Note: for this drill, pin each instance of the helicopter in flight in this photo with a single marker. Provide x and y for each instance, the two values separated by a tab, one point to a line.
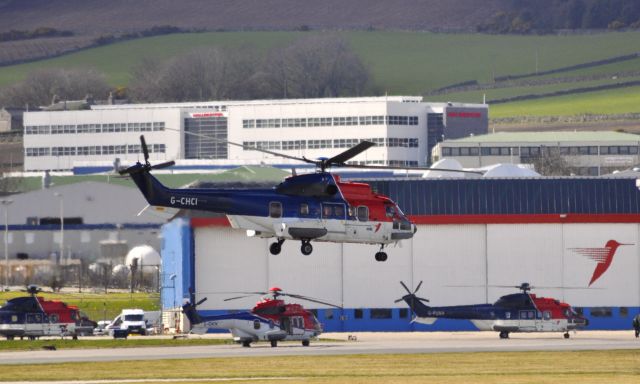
307	207
271	319
516	312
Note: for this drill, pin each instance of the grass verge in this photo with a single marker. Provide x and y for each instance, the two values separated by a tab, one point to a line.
515	367
107	342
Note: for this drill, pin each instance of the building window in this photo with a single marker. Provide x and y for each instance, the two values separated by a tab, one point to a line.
328	314
358	313
380	313
404	313
624	311
601	312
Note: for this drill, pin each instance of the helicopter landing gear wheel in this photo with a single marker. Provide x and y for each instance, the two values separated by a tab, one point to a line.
274	343
566	335
381	256
246	343
276	247
504	335
305	343
306	247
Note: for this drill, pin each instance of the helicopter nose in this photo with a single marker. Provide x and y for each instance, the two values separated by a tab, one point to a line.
415	228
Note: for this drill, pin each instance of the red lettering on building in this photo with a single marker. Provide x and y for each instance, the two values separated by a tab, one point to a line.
465	115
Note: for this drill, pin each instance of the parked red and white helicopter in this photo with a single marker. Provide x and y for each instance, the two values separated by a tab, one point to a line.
517	312
32	317
310	207
271	319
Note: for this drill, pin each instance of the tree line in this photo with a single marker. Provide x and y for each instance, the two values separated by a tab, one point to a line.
311	67
546	16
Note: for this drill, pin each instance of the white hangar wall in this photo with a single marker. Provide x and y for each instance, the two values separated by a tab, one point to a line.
459	264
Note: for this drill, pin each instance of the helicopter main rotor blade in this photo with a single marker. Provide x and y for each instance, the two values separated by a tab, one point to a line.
145	150
418	287
310	299
247	147
163	165
341	158
363	166
237	297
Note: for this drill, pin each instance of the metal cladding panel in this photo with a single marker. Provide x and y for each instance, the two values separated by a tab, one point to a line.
446	256
316	275
520	253
512	196
226	261
372	284
590	254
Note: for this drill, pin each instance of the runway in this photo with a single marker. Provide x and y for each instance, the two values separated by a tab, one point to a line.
364	343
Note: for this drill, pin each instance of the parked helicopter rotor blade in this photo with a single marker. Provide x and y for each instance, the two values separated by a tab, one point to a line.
310	299
364	166
145	150
201	301
163	165
237	297
421	298
418	287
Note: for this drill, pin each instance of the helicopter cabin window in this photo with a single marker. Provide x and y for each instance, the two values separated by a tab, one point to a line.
297	322
507	315
546	315
14	318
304	209
363	213
34	318
256	324
333	211
53	318
275	209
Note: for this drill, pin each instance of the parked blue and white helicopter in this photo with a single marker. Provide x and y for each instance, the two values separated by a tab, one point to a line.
271	319
517	312
309	207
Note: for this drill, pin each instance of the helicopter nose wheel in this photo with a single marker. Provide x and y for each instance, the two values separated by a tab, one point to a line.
306	247
381	256
274	343
276	247
566	335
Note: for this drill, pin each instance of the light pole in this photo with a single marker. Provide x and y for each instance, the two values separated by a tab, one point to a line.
6	204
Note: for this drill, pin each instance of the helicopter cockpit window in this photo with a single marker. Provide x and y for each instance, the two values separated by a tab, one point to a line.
363	213
339	210
275	209
389	210
256	324
304	209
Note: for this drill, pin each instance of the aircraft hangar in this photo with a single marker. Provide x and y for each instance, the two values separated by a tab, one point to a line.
477	239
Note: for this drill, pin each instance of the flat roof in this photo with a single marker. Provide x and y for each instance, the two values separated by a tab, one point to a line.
536	137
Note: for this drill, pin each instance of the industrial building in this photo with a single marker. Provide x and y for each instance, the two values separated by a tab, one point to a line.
586	153
404	128
473	235
100	222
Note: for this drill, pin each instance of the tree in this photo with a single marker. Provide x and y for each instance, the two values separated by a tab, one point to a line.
316	66
203	74
40	86
550	162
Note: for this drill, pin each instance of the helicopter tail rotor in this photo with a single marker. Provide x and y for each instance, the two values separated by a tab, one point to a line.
411	299
189	309
139	167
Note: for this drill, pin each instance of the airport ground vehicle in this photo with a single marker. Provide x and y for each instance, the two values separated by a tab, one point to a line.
33	316
310	207
516	312
271	319
127	322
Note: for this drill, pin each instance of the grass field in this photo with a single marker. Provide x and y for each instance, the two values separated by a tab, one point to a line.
517	367
616	101
401	62
99	306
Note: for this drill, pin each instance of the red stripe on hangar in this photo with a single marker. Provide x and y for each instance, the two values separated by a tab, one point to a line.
551	218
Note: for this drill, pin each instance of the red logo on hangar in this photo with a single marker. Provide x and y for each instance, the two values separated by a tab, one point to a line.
602	256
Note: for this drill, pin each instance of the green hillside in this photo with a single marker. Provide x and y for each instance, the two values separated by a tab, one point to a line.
401	62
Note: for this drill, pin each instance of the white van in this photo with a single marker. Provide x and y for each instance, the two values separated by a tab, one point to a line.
131	320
